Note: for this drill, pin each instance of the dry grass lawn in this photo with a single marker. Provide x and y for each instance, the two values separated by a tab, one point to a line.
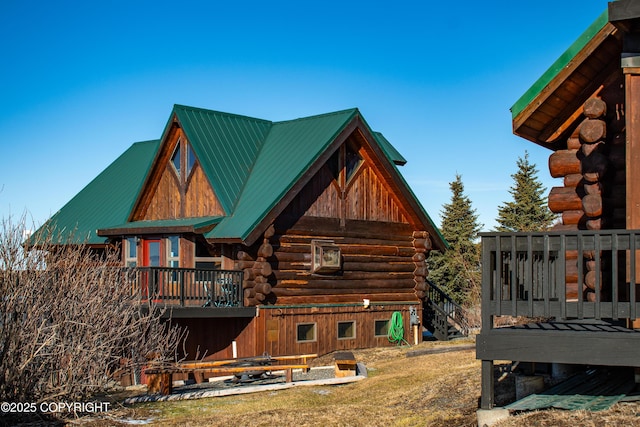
427	390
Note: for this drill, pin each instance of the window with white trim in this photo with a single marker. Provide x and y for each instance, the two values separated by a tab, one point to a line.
173	251
130	247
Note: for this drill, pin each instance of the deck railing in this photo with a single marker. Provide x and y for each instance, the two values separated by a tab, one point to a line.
186	287
562	275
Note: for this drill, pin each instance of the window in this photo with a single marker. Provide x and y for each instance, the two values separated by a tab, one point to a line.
176	158
353	160
173	251
346	330
325	256
381	328
305	332
130	252
204	259
191	159
183	160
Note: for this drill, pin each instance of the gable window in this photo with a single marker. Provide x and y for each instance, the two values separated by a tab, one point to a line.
191	159
183	159
305	332
176	158
353	160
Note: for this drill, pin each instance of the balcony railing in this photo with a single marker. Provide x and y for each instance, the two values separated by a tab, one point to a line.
186	287
561	275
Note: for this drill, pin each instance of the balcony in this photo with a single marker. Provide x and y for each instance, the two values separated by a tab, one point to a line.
189	292
537	275
567	297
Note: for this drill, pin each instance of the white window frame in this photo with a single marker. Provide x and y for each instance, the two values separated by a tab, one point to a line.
128	242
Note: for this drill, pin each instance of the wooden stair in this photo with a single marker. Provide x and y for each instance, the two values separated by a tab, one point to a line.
443	317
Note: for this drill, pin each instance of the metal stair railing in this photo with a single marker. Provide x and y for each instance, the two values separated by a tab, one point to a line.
446	313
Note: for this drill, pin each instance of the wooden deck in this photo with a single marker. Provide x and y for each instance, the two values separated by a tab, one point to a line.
578	290
188	292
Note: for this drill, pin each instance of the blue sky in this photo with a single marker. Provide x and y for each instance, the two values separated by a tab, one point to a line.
81	81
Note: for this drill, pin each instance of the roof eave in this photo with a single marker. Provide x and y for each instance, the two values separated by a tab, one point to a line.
546	129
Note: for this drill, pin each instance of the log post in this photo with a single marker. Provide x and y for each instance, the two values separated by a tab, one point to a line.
584	166
422	245
262	268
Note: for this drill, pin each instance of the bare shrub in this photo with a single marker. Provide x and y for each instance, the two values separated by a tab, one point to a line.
68	320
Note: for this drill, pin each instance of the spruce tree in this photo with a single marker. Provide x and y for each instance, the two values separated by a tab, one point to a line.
457	270
528	210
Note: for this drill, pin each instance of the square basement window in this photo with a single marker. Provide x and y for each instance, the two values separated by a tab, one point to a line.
305	332
346	330
381	328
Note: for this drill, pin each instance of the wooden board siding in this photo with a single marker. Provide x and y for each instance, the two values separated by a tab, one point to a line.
164	196
166	200
279	326
369	199
211	338
366	196
200	199
325	193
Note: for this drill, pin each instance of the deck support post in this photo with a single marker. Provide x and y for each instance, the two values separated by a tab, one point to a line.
486	397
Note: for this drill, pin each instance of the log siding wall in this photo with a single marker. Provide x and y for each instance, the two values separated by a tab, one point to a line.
377	263
593	195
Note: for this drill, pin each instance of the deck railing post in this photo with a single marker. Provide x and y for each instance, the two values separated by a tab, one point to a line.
598	276
487	273
562	273
181	287
632	275
498	284
514	282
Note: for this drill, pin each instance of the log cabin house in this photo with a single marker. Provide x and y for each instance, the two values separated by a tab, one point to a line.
578	283
288	237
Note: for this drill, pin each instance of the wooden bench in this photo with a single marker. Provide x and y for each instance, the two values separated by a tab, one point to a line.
160	378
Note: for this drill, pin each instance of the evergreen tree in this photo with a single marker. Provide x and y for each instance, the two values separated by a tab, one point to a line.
528	210
457	270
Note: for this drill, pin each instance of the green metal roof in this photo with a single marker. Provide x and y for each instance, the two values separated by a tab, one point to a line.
184	224
389	149
564	60
251	164
104	202
226	145
289	150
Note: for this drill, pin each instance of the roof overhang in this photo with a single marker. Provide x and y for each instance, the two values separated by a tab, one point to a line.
387	158
165	226
552	108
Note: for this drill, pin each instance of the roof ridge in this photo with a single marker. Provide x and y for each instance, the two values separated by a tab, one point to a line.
316	116
222	113
149	141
